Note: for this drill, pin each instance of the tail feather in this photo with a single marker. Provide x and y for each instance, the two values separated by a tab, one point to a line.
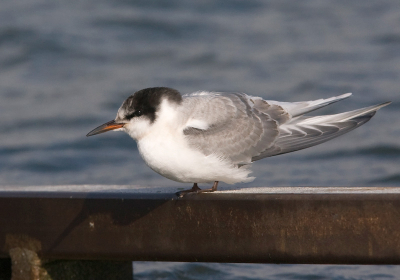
303	132
296	109
338	117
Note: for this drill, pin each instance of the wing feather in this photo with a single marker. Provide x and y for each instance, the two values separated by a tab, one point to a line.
244	129
237	129
304	132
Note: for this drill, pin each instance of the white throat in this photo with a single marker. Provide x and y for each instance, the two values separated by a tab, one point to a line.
167	119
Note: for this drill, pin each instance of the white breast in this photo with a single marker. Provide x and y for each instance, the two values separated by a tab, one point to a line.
165	150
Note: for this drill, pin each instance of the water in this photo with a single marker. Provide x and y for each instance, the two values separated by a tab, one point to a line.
201	271
65	68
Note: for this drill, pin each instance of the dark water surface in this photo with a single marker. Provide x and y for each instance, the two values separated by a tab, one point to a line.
66	66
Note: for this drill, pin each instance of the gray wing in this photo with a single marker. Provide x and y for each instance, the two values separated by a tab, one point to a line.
245	129
232	125
303	132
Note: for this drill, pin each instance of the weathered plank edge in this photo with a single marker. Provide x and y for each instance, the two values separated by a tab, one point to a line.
327	228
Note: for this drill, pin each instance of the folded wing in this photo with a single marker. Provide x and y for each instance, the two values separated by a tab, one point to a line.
302	132
243	129
228	125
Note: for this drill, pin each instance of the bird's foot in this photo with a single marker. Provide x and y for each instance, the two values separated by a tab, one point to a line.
196	189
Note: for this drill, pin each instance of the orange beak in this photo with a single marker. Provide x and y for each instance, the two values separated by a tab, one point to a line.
111	125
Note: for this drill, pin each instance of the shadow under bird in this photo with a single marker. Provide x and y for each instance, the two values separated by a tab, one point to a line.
208	137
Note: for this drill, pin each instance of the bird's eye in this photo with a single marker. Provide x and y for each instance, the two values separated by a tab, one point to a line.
137	113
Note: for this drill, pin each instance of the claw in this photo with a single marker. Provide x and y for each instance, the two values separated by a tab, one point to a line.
196	189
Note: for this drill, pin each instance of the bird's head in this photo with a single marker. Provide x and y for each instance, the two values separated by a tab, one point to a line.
139	111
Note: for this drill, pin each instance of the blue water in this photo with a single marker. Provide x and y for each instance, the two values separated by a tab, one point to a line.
65	68
200	271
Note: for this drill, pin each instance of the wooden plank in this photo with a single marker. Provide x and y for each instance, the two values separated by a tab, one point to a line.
266	225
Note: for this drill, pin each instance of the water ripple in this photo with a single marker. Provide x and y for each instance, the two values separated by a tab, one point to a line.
381	151
393	179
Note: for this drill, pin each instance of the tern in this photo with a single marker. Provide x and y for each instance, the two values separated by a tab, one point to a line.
206	137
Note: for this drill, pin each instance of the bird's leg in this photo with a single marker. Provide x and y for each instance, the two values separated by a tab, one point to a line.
213	188
196	189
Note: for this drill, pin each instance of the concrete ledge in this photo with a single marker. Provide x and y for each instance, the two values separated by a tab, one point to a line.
266	225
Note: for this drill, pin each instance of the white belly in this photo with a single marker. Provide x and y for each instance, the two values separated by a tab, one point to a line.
170	156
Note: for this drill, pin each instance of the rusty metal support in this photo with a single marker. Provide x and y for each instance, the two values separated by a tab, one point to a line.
346	226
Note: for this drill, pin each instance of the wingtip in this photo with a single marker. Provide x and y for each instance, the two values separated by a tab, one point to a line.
373	108
346	95
383	104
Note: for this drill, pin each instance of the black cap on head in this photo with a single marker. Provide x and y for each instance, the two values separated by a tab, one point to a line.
146	101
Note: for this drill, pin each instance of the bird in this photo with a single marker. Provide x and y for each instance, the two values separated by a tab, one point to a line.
206	137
